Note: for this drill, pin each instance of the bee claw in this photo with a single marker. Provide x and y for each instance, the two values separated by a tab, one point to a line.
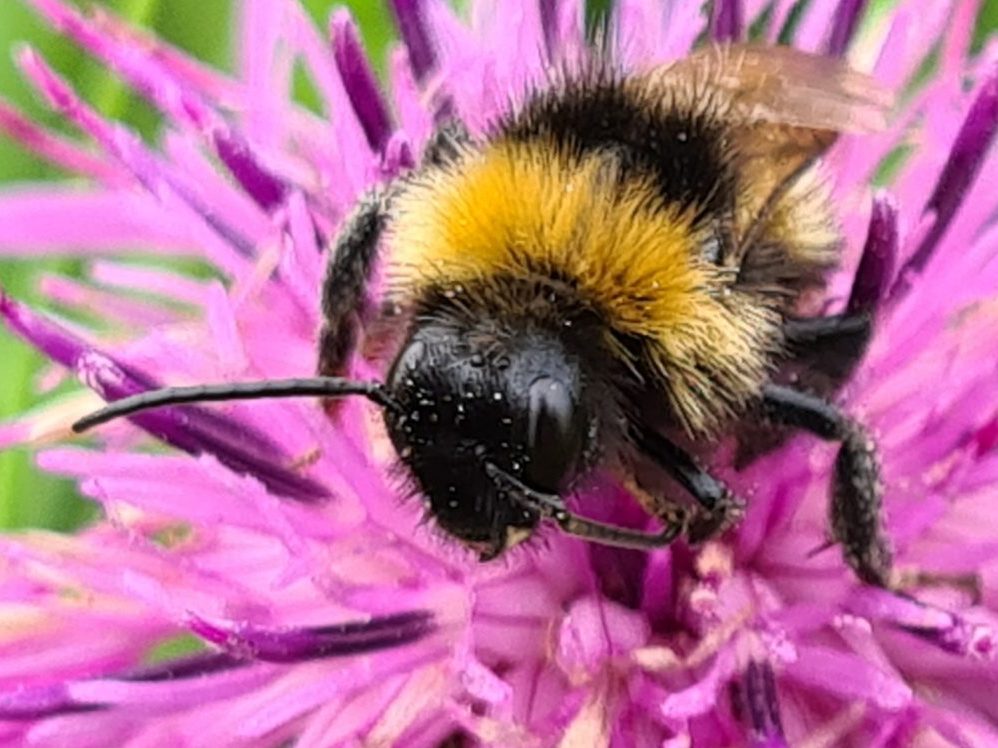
703	525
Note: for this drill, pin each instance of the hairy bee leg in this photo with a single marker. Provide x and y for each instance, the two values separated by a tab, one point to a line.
856	508
831	345
811	333
446	144
721	508
344	291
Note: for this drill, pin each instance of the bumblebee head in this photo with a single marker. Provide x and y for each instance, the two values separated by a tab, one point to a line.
466	400
473	398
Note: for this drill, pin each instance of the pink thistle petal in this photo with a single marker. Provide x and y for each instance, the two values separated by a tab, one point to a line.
70	293
139	69
550	10
956	46
410	15
294	645
876	267
266	65
54	148
847	17
414	116
594	631
702	697
754	700
225	498
966	158
193	430
352	159
91	221
159	282
267	190
127	148
946	630
813	26
851	677
358	80
157	83
39	702
174	686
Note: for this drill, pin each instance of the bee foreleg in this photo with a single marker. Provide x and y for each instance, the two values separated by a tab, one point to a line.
552	506
721	508
676	523
855	513
344	291
446	144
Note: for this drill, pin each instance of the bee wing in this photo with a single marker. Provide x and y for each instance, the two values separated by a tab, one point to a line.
780	86
786	108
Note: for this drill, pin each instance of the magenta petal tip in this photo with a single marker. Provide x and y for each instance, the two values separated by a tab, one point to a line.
410	15
754	701
32	703
268	191
844	25
876	266
966	158
359	80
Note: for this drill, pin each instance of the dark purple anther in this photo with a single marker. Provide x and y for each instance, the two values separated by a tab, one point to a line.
410	16
359	81
267	190
966	157
549	24
726	20
755	702
191	429
876	268
300	644
37	702
844	25
961	638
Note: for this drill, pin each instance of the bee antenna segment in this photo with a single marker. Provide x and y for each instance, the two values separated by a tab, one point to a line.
262	390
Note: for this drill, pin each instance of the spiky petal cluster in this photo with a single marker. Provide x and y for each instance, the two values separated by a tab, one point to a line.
274	545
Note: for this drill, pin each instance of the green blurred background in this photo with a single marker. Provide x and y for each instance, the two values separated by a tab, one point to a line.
29	498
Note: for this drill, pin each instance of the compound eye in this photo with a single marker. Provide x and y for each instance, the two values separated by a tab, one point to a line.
554	434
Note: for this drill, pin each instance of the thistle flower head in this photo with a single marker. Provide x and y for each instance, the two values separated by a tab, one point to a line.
271	544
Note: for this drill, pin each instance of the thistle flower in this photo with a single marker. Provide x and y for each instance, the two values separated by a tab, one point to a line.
272	546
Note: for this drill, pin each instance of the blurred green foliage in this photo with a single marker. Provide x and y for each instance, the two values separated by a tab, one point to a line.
27	497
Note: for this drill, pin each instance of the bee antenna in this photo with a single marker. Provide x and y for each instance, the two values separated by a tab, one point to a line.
267	389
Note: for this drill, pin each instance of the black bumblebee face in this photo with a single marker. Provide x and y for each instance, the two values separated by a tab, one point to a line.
467	401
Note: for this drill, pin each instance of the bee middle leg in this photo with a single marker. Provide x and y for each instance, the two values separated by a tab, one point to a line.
855	512
821	355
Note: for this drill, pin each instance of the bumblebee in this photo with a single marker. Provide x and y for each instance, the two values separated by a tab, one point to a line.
612	276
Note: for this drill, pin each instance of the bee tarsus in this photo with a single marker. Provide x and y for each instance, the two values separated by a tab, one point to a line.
855	510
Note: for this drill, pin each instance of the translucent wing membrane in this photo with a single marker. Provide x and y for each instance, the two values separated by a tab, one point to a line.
780	85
